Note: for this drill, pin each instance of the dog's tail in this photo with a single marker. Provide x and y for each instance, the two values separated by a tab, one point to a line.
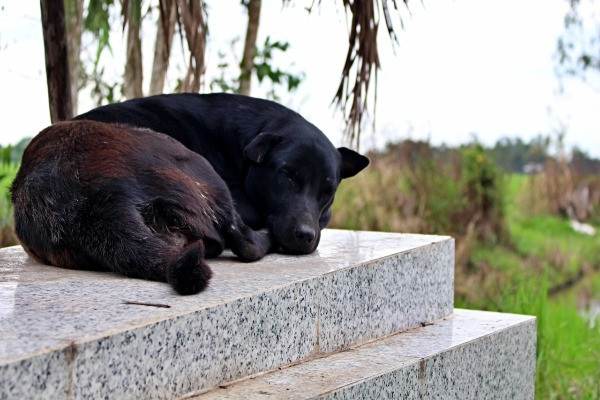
161	249
188	273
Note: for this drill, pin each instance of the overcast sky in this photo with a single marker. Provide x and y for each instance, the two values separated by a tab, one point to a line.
462	67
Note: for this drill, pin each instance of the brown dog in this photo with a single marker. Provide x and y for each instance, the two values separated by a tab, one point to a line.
91	195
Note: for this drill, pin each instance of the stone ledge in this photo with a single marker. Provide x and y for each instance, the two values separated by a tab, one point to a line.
470	355
75	334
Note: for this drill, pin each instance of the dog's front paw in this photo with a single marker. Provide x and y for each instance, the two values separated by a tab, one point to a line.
264	241
257	245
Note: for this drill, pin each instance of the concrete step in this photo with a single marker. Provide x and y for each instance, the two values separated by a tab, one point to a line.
470	355
68	334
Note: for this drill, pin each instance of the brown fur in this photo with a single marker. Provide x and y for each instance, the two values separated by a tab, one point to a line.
102	196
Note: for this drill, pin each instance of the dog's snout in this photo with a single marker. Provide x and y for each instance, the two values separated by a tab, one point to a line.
305	234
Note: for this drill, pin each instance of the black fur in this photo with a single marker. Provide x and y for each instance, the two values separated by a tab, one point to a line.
100	196
281	170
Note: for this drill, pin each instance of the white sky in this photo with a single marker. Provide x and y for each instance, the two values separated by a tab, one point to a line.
463	67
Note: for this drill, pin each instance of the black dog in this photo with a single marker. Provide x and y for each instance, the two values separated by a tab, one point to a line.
282	171
100	196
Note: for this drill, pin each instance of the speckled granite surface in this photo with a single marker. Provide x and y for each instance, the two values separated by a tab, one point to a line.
470	355
71	334
354	301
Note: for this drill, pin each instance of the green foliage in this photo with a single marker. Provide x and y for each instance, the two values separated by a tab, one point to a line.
578	48
415	187
97	22
8	170
484	186
225	81
6	155
11	155
18	149
264	68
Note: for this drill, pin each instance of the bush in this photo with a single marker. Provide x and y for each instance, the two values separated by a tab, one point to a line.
8	170
413	187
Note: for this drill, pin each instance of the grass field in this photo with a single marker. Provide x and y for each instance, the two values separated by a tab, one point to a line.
553	253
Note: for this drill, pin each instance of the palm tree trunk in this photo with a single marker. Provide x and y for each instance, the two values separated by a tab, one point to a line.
74	25
247	63
162	46
194	25
133	67
57	62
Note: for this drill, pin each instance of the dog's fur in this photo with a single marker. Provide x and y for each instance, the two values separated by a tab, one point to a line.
281	170
129	200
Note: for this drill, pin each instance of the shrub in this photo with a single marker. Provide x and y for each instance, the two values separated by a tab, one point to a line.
413	187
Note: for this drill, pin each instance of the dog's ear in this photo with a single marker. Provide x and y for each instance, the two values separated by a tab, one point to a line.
258	147
352	162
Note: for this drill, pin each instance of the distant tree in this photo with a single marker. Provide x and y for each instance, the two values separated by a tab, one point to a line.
18	149
512	155
583	164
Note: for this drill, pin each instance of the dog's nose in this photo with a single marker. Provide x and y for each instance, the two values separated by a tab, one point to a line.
305	233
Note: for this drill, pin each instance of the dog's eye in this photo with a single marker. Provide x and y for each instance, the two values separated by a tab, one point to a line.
328	189
290	176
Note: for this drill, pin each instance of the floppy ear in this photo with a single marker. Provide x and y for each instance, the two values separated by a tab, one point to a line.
352	162
258	147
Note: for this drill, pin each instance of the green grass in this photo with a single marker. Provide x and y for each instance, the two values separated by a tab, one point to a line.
546	252
549	242
568	359
568	350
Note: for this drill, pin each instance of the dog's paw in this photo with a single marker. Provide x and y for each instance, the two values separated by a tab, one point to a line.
256	245
264	241
189	274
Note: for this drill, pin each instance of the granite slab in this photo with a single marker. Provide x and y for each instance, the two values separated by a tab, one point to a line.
82	334
469	355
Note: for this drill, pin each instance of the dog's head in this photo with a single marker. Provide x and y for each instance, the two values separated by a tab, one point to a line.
292	179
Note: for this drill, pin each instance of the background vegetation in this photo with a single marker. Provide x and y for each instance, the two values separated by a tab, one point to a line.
516	249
